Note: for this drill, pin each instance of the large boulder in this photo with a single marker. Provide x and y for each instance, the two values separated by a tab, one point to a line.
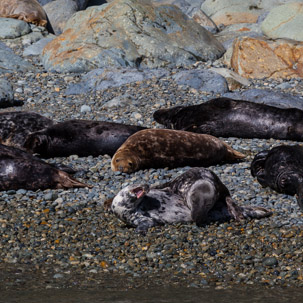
285	21
265	58
13	28
130	33
238	11
59	12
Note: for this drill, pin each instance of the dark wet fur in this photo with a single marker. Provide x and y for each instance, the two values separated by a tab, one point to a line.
281	169
80	137
16	126
19	169
224	117
196	196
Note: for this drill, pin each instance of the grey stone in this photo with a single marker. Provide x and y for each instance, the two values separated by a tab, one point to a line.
85	109
203	80
13	28
99	79
268	97
10	62
140	35
285	21
118	101
270	261
59	12
7	94
37	48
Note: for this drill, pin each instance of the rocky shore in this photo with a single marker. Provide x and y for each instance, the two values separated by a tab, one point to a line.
66	239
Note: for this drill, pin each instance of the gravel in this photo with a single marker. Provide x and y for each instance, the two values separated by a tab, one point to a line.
65	238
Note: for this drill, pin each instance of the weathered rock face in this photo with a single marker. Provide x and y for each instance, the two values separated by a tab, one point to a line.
130	33
238	11
285	21
260	58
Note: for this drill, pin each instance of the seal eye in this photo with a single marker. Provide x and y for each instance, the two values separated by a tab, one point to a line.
130	164
117	160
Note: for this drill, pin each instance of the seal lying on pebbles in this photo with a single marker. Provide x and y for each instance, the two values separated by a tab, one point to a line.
197	196
27	10
224	117
19	169
79	137
156	148
16	126
281	168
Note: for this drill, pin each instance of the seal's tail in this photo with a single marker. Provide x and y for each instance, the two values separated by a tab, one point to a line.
233	154
66	181
244	212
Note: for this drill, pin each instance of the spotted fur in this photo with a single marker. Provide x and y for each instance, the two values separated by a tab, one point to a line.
156	148
197	196
16	126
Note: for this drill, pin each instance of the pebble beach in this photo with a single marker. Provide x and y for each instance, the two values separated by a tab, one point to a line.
66	239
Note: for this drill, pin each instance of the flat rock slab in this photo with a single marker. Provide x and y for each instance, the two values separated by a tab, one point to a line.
268	97
100	79
130	33
265	58
285	21
13	28
204	80
10	62
36	48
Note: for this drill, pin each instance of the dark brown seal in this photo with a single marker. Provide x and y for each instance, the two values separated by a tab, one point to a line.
16	126
80	137
281	169
155	148
197	196
224	117
19	169
27	10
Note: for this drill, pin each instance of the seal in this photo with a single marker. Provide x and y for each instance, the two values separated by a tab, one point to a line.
197	195
224	117
156	148
281	169
19	169
16	126
27	10
79	137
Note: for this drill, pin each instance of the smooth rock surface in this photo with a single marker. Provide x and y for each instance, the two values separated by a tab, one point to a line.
265	58
59	12
100	79
285	21
203	80
130	33
6	93
13	28
237	11
268	97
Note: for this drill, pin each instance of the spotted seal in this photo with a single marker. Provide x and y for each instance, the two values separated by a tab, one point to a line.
224	117
27	10
156	148
79	137
16	126
19	169
197	195
281	169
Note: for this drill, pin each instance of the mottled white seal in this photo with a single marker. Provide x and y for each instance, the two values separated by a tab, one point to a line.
197	196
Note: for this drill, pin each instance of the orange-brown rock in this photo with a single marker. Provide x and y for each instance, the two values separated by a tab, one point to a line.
264	58
26	10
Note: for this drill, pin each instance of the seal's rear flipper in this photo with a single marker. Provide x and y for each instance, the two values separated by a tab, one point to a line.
244	212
